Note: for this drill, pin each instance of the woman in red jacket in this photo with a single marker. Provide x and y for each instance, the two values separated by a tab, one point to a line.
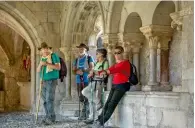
121	73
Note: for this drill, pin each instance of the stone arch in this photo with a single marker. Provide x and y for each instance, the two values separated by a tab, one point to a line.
133	23
72	25
16	21
115	16
162	12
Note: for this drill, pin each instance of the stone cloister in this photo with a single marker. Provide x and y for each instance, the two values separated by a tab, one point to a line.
157	36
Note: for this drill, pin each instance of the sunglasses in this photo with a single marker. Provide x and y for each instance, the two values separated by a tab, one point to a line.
117	53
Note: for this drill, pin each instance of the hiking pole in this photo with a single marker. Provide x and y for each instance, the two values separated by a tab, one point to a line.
94	111
82	84
103	98
40	89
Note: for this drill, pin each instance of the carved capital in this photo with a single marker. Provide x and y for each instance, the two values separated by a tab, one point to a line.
153	33
109	47
177	21
134	37
110	38
136	47
153	42
177	17
126	46
120	38
156	30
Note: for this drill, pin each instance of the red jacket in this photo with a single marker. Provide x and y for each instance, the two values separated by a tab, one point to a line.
121	72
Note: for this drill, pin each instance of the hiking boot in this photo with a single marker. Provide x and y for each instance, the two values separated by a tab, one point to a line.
48	122
43	120
97	125
82	118
89	121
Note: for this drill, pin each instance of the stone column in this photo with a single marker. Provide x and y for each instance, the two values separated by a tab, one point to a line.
164	64
135	41
66	52
153	34
110	41
153	41
135	52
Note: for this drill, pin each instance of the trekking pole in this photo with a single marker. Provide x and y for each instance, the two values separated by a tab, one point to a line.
94	111
82	84
40	89
103	99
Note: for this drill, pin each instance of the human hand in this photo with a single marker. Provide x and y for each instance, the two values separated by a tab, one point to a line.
90	75
42	63
103	73
79	72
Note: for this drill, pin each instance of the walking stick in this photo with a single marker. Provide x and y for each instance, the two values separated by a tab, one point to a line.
40	88
82	83
103	100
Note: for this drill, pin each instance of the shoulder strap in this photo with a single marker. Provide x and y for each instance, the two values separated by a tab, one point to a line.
52	57
103	63
102	66
88	59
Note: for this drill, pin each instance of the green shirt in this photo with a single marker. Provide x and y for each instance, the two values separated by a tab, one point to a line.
99	66
53	75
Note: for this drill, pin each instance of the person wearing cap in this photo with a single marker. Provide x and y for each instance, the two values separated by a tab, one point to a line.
96	104
82	65
48	68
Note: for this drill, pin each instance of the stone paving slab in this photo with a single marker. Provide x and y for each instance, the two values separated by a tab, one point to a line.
27	120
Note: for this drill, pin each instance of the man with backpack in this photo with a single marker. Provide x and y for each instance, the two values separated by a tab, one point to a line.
90	91
48	68
81	67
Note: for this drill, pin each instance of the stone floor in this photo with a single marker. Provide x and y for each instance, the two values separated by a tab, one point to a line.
26	120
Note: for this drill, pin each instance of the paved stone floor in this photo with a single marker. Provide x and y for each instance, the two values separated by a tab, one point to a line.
26	120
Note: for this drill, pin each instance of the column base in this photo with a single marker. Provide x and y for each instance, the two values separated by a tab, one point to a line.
165	87
148	88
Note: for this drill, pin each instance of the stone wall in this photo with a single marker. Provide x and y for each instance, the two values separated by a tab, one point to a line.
182	54
154	110
45	17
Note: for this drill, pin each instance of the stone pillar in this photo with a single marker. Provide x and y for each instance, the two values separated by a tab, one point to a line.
164	64
66	52
110	41
135	41
153	41
135	52
153	34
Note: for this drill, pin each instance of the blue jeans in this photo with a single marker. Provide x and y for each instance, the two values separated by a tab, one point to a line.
48	96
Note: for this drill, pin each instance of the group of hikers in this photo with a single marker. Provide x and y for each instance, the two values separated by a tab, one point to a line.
91	80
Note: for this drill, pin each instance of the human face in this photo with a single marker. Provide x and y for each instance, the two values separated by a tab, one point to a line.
45	51
82	51
99	56
118	54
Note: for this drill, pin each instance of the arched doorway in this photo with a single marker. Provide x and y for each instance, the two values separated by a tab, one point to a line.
28	33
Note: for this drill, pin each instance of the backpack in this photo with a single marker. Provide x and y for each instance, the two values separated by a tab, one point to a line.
102	66
133	75
63	69
88	59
